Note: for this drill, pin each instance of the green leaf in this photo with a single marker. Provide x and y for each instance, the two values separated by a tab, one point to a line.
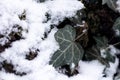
111	4
93	53
70	51
102	42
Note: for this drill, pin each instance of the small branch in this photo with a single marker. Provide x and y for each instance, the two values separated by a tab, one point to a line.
111	38
113	45
116	44
80	35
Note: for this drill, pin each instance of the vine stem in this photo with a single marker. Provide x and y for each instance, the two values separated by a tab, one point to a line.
116	44
80	35
113	45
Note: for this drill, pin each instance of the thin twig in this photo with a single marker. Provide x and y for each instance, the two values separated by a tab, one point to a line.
116	44
80	35
113	45
111	38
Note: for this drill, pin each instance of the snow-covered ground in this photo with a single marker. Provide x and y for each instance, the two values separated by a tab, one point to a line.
34	27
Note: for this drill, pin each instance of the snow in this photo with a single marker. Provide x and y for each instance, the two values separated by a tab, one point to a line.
113	67
113	50
91	70
34	27
117	32
102	51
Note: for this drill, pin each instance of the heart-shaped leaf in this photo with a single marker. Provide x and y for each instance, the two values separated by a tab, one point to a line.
70	51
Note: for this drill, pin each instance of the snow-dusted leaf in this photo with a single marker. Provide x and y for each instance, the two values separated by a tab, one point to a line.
70	51
102	42
93	53
111	4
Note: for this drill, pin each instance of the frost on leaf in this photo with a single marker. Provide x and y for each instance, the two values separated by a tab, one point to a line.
70	51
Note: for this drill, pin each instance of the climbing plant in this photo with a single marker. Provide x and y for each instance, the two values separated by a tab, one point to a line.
88	36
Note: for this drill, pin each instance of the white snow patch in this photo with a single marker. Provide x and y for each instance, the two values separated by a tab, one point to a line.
113	67
91	70
111	70
102	51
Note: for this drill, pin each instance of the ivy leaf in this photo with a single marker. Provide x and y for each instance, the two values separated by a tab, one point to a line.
93	53
102	42
111	4
70	51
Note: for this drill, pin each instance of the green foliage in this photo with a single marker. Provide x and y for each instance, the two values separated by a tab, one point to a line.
102	44
70	51
89	40
95	52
